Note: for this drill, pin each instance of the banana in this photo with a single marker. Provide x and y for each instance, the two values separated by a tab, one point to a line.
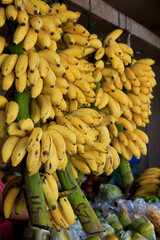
65	132
12	129
50	78
120	96
33	76
43	7
19	151
21	83
21	65
147	181
114	34
142	145
33	157
33	61
9	200
34	138
130	135
71	149
37	88
30	39
45	105
48	194
74	171
36	23
26	124
81	166
8	147
8	64
113	130
51	165
116	145
125	123
11	12
52	183
59	218
20	4
7	81
67	210
22	17
116	158
59	143
2	16
122	138
55	95
34	111
126	48
43	67
44	39
99	53
103	101
134	148
11	112
20	204
20	33
46	146
32	7
87	118
113	44
68	58
142	135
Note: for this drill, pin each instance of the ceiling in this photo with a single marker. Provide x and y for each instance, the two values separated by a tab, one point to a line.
145	12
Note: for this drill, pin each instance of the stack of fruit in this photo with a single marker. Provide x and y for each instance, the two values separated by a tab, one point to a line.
148	183
65	87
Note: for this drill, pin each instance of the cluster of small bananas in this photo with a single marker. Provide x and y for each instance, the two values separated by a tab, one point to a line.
148	183
59	209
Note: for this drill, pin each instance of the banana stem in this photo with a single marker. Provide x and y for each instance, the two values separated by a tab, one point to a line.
79	202
126	173
32	185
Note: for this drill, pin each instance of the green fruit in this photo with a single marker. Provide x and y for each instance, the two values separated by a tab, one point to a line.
125	221
110	231
125	236
111	218
146	227
137	223
154	200
93	238
138	236
146	198
117	226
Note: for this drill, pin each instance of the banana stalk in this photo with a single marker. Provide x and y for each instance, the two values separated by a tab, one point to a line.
126	173
32	185
79	202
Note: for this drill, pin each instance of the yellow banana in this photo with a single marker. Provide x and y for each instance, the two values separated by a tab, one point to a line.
48	194
11	12
114	34
2	16
19	151
44	39
45	105
20	33
123	139
43	67
8	64
36	23
142	135
51	165
26	124
2	44
8	148
67	210
21	65
8	201
31	8
22	17
81	166
12	129
125	123
11	112
3	102
52	183
34	111
37	88
46	146
30	39
7	81
33	61
3	125
34	138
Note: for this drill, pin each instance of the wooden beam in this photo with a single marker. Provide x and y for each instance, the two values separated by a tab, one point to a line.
113	16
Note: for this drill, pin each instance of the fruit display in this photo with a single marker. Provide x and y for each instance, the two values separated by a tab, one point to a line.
148	184
86	98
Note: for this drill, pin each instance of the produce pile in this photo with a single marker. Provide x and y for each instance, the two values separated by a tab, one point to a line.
87	99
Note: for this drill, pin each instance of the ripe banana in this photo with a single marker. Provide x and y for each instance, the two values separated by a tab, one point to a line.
11	112
8	147
67	210
34	138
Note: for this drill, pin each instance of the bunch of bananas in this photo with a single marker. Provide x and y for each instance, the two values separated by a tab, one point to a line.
59	209
76	104
148	183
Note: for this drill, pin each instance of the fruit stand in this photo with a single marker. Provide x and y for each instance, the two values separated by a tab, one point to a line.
75	102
